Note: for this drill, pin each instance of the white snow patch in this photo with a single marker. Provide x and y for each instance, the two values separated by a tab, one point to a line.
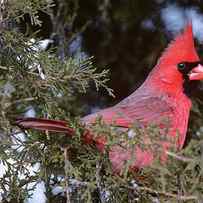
43	44
58	190
38	195
105	195
40	45
30	112
197	22
2	169
131	134
17	140
134	184
7	89
175	18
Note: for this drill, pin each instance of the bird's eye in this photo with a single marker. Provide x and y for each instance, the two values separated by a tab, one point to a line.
181	66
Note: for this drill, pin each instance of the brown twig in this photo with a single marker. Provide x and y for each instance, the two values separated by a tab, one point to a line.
167	194
178	157
98	180
66	168
20	101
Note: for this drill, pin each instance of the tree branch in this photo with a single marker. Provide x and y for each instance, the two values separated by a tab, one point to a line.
167	194
178	157
66	168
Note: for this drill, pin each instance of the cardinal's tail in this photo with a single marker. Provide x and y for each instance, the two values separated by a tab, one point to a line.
45	124
60	127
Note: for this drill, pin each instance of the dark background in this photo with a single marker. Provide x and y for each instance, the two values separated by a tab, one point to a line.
126	36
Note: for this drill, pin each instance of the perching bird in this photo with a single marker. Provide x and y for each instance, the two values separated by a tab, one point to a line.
164	94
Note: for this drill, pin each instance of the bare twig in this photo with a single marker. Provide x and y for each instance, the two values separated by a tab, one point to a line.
98	181
4	68
3	4
20	101
178	157
66	167
167	194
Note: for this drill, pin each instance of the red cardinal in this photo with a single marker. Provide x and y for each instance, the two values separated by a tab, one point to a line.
164	94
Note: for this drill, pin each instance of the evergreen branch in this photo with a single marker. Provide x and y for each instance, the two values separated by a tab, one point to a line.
55	95
20	101
166	194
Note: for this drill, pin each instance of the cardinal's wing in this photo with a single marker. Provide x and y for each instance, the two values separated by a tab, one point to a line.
148	109
144	109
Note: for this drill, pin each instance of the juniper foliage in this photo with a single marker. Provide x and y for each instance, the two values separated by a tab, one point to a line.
41	81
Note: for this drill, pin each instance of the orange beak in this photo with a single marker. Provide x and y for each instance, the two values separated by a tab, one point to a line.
196	73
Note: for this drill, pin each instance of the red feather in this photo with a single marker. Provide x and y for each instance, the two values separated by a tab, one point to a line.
45	124
161	96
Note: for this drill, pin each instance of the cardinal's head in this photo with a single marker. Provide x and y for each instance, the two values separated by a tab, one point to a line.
178	65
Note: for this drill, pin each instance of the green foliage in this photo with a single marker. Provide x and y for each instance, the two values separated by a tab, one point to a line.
34	78
38	79
15	9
